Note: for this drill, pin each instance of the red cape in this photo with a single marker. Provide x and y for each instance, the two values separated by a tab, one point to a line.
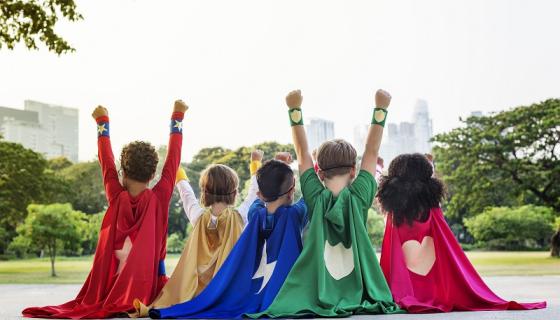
106	293
444	279
132	239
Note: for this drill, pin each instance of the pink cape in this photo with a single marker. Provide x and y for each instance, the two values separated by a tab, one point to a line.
449	283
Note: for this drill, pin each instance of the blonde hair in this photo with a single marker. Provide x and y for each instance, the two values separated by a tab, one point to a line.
336	157
218	183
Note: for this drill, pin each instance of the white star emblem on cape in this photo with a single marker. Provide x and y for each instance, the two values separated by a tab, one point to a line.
122	254
265	269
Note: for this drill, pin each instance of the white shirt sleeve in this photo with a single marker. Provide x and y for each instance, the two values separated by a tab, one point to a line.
192	207
243	208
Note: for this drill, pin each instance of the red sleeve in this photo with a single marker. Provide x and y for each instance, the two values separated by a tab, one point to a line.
164	188
107	160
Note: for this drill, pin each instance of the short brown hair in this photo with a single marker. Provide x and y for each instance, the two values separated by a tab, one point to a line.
139	161
336	157
218	183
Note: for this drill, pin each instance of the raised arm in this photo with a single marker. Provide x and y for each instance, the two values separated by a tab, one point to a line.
105	153
256	162
191	205
373	142
293	100
164	188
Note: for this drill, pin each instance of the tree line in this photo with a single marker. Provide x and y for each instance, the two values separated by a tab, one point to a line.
501	170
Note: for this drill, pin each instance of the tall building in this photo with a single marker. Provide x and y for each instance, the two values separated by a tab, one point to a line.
409	137
48	129
319	131
360	136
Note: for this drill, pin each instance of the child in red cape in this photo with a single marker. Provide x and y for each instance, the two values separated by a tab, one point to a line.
129	259
423	263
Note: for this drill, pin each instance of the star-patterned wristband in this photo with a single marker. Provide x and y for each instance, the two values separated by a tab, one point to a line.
296	118
177	122
379	116
102	126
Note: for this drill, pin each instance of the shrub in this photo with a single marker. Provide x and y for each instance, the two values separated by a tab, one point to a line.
521	228
375	228
175	243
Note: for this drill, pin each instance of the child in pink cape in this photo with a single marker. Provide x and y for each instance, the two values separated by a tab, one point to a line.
423	263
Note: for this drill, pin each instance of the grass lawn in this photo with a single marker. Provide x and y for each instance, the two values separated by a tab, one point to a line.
75	270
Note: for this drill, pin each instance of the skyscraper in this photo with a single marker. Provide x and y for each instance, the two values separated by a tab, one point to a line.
360	136
409	137
319	131
48	129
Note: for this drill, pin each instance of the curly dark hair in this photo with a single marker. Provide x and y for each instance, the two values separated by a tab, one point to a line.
275	178
139	160
409	191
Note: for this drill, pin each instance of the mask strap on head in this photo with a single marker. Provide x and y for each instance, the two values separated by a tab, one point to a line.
336	167
220	194
270	199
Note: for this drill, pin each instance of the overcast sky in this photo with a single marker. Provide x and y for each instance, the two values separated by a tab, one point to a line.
234	61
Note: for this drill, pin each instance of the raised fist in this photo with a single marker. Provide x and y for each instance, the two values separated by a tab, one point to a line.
257	155
294	99
382	99
100	111
285	157
180	106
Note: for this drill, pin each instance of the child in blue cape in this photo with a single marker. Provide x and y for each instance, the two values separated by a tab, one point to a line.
263	256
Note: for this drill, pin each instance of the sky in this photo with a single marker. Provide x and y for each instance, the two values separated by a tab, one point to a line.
233	62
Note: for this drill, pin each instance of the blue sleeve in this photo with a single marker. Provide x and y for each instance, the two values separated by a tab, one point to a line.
301	210
257	204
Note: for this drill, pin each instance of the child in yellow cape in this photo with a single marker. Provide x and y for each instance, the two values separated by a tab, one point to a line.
216	228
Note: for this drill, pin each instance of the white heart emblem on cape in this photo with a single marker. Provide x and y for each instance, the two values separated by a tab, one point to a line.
419	257
339	260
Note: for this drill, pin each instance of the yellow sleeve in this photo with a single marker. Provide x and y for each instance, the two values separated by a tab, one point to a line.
181	175
254	166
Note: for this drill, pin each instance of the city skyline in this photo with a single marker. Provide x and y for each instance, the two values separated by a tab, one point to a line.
51	130
469	55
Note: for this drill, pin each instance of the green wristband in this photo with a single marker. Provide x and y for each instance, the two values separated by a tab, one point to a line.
296	118
379	116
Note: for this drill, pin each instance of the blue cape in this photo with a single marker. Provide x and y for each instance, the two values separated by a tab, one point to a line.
255	269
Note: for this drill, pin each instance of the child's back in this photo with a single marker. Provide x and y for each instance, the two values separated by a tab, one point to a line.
420	252
257	266
337	273
130	253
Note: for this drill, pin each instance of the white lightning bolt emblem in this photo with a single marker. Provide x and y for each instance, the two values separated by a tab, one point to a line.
265	269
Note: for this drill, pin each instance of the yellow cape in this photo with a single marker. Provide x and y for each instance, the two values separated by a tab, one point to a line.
205	251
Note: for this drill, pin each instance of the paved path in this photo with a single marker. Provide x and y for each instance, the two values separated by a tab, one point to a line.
13	298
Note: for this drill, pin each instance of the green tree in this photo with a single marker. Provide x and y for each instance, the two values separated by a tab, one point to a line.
34	21
90	232
59	163
375	227
22	181
86	191
504	228
53	228
508	158
175	243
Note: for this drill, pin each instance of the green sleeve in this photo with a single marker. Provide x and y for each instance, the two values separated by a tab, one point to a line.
311	187
364	188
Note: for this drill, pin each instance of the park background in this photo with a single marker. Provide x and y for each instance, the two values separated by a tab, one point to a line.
233	62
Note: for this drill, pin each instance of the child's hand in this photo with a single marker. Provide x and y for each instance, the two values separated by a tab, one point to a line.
180	106
382	99
257	155
100	111
294	99
285	157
